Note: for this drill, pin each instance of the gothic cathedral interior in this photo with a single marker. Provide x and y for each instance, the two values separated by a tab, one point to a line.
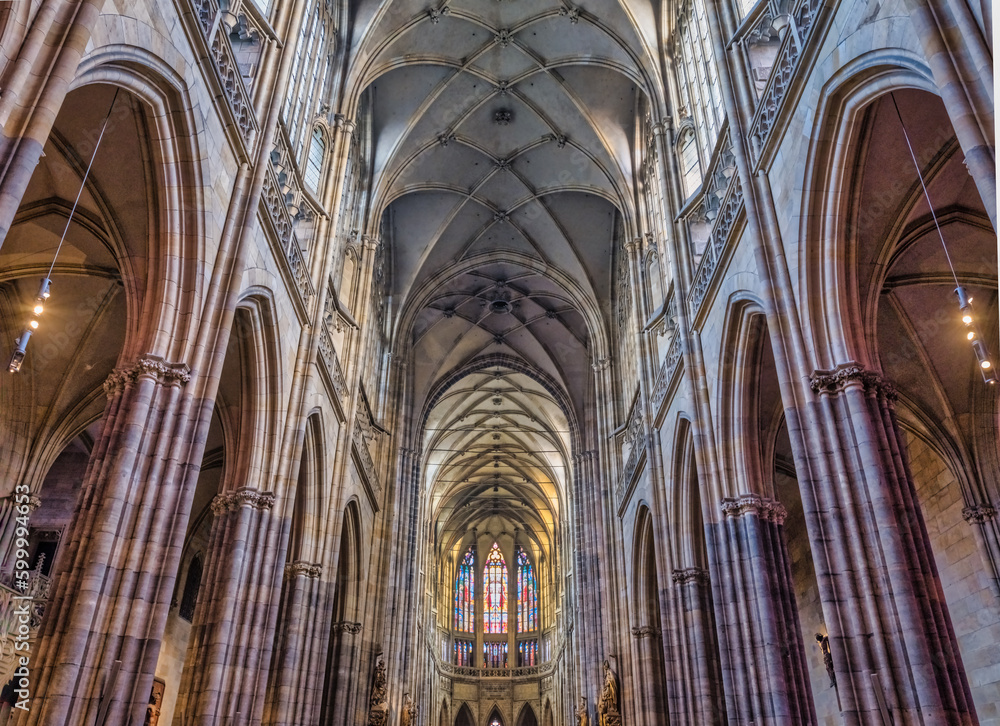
499	363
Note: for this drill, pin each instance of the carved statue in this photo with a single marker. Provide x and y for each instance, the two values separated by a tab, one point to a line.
378	705
582	719
607	708
409	715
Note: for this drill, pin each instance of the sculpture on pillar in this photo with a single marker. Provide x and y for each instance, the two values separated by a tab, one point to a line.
582	719
607	707
378	704
409	715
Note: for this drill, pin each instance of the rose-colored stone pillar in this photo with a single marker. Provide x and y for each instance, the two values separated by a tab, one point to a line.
891	638
701	701
301	651
112	594
763	657
228	638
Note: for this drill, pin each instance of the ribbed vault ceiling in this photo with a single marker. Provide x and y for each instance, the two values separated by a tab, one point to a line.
504	135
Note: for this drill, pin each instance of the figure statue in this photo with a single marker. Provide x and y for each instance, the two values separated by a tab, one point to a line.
378	705
409	715
582	719
607	708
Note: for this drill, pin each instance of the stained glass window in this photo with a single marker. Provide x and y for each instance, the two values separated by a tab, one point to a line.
527	594
494	655
465	594
463	653
527	653
495	592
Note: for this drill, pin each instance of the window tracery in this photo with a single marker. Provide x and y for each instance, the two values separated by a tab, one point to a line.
314	163
495	593
465	595
310	72
494	655
527	594
463	653
697	74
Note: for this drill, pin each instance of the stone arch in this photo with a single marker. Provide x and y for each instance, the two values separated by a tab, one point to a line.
495	713
173	286
443	718
308	508
464	717
547	718
343	642
895	318
648	619
834	320
527	716
739	397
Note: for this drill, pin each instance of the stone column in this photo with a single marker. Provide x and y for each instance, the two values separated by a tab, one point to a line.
112	594
763	658
293	689
343	664
223	655
650	675
889	614
699	671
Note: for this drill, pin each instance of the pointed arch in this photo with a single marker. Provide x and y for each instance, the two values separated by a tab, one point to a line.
496	717
527	593
465	593
495	592
527	716
464	716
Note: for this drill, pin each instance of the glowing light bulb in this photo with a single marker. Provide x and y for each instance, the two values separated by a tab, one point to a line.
967	319
986	364
33	324
971	335
38	309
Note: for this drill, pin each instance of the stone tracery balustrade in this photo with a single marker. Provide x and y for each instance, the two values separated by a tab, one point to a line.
281	221
370	474
714	250
785	65
671	364
233	85
225	63
328	354
477	672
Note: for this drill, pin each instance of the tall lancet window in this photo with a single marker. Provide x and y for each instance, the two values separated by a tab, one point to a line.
465	594
495	592
527	594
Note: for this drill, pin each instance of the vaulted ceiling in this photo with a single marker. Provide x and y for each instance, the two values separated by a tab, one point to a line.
504	137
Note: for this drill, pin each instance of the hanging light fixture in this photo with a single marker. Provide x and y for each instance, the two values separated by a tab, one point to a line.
21	344
964	301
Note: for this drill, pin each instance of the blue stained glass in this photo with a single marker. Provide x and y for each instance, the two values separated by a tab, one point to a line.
465	594
527	594
495	592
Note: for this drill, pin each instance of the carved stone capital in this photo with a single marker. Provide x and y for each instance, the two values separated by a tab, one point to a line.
346	626
33	502
979	513
837	380
645	631
601	364
688	575
247	497
305	569
633	245
767	509
152	367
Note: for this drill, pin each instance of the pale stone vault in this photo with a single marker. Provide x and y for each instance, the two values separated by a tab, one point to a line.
498	363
